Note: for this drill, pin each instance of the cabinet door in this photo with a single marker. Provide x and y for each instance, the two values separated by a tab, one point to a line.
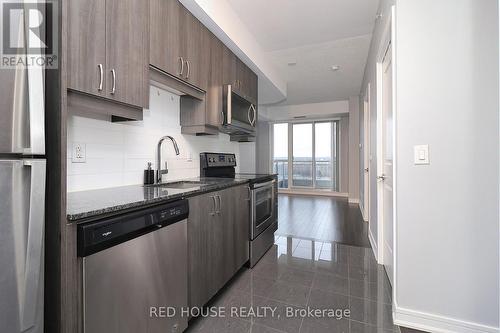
227	209
201	210
195	41
165	35
229	63
213	97
253	89
127	49
87	46
218	275
241	198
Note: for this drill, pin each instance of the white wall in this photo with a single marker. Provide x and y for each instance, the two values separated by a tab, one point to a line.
312	110
263	147
117	153
344	155
447	259
220	18
248	159
354	149
370	77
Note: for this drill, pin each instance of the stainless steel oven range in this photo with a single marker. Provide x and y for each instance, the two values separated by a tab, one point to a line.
263	190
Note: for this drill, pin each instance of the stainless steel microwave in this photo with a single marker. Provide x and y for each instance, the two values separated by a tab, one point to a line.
240	114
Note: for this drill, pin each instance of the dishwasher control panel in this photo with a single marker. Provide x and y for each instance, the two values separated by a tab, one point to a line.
97	236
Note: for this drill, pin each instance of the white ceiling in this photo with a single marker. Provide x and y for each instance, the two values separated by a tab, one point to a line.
316	34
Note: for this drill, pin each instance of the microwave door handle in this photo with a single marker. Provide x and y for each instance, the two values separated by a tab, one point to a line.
229	116
254	113
248	115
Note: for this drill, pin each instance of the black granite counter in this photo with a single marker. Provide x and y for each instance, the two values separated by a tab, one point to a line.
86	205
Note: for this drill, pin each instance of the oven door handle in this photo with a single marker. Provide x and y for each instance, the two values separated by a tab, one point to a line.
268	184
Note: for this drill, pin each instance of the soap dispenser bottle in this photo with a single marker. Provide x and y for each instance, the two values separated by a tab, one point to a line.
149	175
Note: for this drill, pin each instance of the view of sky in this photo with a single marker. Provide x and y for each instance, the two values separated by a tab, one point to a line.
302	141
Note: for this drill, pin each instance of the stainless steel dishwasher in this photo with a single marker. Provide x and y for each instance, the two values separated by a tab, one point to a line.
133	265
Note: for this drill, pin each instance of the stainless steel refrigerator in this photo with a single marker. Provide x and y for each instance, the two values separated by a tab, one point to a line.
22	199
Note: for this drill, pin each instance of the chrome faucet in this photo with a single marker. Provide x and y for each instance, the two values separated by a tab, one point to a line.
159	171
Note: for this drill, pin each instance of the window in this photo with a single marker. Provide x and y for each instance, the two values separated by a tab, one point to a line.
312	161
302	155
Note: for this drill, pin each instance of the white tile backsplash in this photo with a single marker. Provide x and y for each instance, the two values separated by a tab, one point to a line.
117	153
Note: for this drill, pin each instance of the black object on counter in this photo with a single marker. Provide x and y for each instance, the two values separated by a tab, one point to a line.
149	175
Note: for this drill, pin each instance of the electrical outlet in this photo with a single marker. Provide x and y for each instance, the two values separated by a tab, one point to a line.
79	153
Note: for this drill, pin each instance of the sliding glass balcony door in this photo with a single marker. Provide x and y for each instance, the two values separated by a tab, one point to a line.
308	152
302	165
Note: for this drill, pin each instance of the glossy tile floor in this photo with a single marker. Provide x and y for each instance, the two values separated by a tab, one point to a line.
298	274
330	219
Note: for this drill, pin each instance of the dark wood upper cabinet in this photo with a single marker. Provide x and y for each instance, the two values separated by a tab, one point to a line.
108	49
179	43
126	50
165	36
87	46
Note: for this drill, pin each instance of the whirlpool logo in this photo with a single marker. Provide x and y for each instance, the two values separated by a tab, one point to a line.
29	33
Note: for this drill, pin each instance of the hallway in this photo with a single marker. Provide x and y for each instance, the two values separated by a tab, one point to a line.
330	219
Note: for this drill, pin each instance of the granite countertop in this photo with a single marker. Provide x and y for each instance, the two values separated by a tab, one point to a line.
95	203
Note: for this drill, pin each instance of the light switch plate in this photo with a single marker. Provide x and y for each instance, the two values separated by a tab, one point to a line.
78	154
421	154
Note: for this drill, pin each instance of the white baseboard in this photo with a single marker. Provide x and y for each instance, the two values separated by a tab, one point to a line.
365	218
353	201
439	324
373	243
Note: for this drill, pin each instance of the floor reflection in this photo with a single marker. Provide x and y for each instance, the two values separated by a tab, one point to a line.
307	274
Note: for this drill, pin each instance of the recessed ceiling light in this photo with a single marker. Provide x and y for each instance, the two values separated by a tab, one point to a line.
292	63
335	68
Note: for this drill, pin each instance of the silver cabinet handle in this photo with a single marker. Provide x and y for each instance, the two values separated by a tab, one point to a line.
220	204
113	74
35	243
101	77
181	60
214	211
188	69
222	117
381	177
249	193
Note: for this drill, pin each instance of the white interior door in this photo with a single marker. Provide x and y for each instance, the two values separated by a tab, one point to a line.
366	157
387	169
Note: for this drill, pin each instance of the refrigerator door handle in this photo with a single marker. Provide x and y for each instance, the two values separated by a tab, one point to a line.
36	106
35	244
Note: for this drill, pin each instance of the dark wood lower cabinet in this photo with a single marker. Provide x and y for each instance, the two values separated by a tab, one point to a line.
218	236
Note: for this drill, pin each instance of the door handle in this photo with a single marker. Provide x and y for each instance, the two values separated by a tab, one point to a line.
212	213
101	77
366	169
220	204
188	69
113	75
181	60
36	110
381	177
